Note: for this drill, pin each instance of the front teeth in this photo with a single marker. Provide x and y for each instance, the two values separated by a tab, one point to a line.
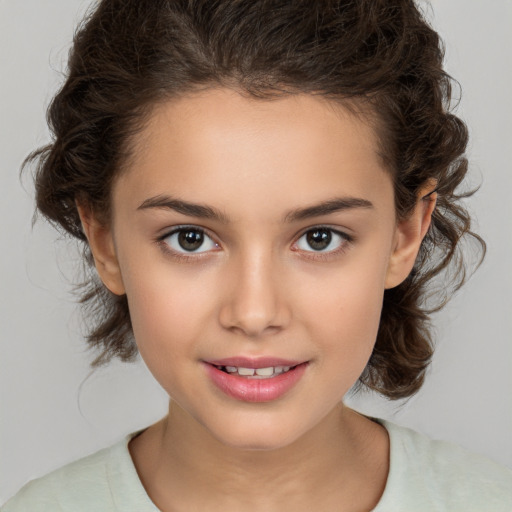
270	371
264	372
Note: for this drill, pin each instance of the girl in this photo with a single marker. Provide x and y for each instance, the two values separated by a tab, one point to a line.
266	190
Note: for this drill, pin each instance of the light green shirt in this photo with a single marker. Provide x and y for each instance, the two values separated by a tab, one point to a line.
424	476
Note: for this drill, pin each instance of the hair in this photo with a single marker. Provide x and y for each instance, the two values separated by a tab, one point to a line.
380	55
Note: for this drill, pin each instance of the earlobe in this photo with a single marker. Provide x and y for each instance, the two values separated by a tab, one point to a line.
408	237
103	250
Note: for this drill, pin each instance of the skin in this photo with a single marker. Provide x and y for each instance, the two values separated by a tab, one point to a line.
257	289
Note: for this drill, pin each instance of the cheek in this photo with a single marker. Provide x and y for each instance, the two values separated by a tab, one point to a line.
345	310
166	316
166	309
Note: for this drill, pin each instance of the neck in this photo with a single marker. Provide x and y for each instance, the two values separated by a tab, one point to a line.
179	461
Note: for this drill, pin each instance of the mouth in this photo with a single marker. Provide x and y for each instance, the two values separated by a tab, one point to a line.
255	380
268	372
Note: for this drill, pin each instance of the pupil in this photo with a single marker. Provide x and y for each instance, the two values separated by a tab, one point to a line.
319	239
190	240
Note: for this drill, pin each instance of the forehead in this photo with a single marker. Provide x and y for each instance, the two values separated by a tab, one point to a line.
219	145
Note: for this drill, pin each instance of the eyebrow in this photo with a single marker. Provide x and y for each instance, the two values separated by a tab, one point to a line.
334	205
208	212
184	207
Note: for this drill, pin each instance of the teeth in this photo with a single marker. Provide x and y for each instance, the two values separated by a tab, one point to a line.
270	371
265	372
245	371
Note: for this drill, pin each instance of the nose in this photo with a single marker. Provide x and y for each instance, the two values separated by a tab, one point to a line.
255	302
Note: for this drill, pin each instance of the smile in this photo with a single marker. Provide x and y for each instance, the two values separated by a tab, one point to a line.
260	380
255	373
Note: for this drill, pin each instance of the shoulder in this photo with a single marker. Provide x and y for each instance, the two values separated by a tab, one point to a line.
104	481
67	486
443	476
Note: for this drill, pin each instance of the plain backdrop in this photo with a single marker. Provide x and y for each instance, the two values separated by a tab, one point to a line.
54	411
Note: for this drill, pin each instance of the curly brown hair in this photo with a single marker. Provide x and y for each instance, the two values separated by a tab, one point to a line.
379	55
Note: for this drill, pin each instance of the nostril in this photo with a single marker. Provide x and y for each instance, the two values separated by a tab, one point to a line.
254	309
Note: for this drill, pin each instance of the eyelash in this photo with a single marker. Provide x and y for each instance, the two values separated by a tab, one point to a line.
346	241
183	256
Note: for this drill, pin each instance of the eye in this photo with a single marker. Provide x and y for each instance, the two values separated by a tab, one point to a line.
189	240
322	240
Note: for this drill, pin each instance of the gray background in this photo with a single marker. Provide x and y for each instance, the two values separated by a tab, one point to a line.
53	411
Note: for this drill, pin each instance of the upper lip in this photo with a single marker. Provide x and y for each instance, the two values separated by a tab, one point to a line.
253	362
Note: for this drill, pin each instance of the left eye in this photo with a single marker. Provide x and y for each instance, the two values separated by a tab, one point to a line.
321	240
189	240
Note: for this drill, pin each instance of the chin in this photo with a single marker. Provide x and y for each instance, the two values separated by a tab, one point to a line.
257	435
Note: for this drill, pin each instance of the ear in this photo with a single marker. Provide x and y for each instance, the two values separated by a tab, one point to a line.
103	250
409	234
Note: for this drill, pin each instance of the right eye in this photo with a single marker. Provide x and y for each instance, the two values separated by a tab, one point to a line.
189	240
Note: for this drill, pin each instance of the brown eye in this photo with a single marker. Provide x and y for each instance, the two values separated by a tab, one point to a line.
322	239
319	239
191	240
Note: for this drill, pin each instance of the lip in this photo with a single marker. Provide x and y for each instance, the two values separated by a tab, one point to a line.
255	390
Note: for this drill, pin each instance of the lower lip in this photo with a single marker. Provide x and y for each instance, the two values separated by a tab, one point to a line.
255	390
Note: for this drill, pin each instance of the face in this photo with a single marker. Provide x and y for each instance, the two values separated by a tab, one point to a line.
254	240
